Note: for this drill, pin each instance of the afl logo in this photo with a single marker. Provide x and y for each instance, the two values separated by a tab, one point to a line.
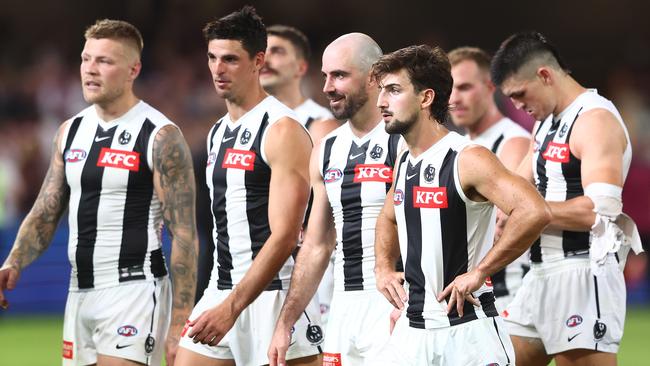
332	175
75	155
127	331
398	197
212	158
574	321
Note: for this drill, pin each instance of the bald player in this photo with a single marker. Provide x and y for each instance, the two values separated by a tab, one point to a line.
474	109
351	171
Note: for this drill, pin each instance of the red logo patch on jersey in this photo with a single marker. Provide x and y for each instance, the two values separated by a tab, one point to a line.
67	350
398	197
372	173
120	159
239	159
75	155
331	359
430	197
558	153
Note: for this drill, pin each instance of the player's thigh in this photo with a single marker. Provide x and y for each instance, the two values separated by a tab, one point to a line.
585	357
104	360
186	357
315	360
530	351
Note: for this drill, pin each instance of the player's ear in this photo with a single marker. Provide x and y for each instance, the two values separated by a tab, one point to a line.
303	66
545	75
258	59
427	95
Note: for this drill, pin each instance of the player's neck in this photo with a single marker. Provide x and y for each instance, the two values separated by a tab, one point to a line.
116	108
237	107
290	95
424	134
567	90
366	119
489	119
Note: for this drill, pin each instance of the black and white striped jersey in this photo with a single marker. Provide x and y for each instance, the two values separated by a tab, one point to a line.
357	173
557	173
238	176
310	111
494	138
114	214
442	233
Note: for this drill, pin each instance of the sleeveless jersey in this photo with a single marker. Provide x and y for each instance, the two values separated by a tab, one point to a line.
115	217
310	111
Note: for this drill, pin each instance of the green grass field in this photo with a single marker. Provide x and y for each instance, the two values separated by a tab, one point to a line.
36	341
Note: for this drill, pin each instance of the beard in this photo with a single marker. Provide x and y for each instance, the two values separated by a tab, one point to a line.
353	103
401	127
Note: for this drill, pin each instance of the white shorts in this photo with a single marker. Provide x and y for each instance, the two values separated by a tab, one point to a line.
567	307
514	276
358	327
129	321
478	342
247	343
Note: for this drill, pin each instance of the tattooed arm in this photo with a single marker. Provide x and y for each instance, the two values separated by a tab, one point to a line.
37	229
175	187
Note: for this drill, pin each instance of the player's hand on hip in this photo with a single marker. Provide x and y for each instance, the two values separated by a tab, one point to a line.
8	278
212	325
279	345
394	316
391	284
461	289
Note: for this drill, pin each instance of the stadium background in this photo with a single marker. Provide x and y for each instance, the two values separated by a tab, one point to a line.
603	41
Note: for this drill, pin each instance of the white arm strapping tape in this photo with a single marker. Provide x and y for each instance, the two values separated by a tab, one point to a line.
613	231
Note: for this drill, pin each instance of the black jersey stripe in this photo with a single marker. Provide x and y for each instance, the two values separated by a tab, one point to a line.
497	143
352	217
542	185
453	234
91	187
327	153
413	269
72	132
224	257
135	236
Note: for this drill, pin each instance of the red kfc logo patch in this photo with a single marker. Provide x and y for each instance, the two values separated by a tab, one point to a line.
430	197
331	359
67	350
558	153
239	159
120	159
372	173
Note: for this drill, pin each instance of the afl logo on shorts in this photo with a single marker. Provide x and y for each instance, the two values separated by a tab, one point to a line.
398	197
127	331
314	335
574	321
75	155
332	175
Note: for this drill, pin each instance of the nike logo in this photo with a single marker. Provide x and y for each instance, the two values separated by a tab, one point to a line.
571	338
227	139
98	139
352	157
123	346
411	176
551	132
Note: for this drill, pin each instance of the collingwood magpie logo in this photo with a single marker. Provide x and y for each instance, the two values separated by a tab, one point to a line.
245	137
376	152
149	344
429	173
599	330
124	138
563	130
314	334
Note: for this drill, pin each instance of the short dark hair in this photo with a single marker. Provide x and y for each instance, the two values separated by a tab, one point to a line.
518	50
428	67
477	55
297	38
243	25
116	29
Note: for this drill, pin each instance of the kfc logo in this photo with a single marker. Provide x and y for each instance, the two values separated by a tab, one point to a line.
430	197
239	159
372	173
67	350
75	155
331	359
558	153
110	158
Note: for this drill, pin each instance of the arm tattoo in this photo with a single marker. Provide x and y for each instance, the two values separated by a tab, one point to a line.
175	180
38	228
